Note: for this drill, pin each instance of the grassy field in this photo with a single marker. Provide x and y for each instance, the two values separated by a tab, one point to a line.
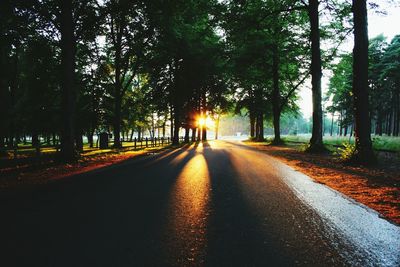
379	142
388	143
26	150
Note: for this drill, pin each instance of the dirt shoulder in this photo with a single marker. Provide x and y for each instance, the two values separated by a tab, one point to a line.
376	187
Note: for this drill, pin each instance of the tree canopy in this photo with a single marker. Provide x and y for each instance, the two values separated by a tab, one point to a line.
77	68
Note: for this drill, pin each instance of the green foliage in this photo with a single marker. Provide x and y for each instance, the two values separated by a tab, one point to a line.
339	92
187	60
140	64
386	143
384	81
379	142
346	152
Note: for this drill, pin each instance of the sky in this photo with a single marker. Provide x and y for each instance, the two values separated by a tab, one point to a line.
388	25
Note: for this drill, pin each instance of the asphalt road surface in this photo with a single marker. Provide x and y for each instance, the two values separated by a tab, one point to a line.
214	204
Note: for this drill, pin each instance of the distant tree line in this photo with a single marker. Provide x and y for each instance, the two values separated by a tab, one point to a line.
384	84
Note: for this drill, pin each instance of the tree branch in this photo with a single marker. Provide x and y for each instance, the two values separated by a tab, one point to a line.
292	90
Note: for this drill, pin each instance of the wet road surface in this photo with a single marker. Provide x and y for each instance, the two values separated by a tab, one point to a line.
211	204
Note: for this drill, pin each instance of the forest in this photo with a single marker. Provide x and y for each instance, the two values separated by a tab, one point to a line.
71	70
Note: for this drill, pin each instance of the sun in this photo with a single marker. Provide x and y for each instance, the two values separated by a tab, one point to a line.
205	122
201	122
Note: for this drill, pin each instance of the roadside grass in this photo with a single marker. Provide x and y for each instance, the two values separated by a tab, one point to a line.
29	168
388	143
27	151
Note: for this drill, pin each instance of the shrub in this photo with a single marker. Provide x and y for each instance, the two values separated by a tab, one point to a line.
347	152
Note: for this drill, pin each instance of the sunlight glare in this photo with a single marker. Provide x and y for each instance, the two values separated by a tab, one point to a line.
201	122
189	202
207	122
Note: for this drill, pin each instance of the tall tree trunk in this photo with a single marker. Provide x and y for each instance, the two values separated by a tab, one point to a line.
204	115
217	126
163	130
256	127
389	123
260	127
199	131
153	127
252	124
79	142
175	139
194	134
10	140
276	98
172	123
379	124
397	115
316	143
2	116
351	130
54	139
117	122
187	134
68	79
13	88
35	140
277	127
363	153
204	133
118	84
2	143
90	138
177	123
5	10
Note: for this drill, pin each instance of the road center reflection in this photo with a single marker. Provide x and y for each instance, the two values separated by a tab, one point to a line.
188	209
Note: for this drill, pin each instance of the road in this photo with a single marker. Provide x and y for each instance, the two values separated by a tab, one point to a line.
214	204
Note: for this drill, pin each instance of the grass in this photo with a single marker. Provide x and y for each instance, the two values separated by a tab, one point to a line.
26	150
378	142
28	168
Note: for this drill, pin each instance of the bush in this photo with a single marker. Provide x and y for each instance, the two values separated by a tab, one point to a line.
347	152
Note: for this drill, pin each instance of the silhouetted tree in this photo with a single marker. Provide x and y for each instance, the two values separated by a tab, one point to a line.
316	143
363	150
68	50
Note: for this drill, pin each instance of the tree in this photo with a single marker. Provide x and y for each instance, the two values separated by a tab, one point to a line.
37	104
186	60
68	49
316	143
389	67
6	15
266	59
383	85
379	91
363	151
127	38
337	11
339	91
